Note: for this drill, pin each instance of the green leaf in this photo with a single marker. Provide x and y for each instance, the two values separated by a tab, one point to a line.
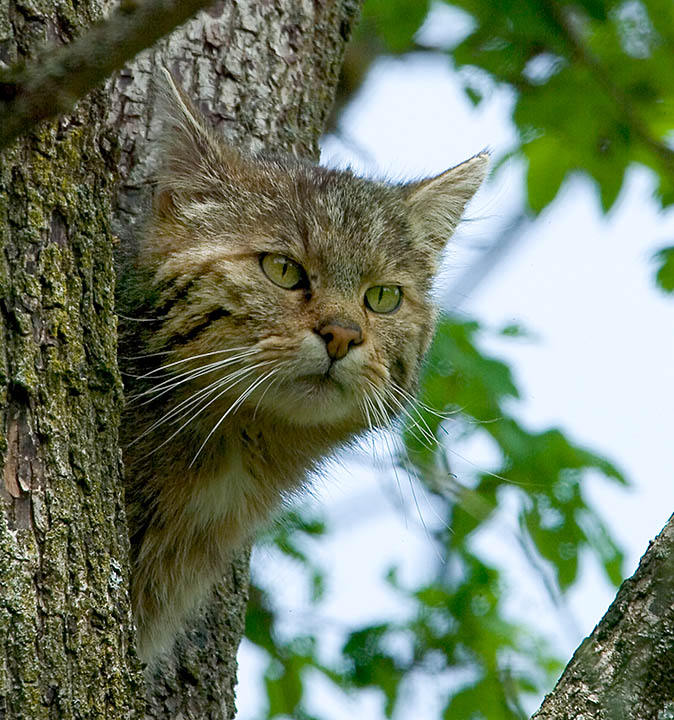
371	664
548	167
664	276
395	22
474	95
515	330
283	683
260	620
599	538
485	700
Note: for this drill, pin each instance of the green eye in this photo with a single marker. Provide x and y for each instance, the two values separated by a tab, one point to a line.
283	271
384	298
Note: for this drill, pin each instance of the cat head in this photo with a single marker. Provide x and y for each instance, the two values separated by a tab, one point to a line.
305	290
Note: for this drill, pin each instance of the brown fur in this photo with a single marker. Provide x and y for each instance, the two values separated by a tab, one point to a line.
195	493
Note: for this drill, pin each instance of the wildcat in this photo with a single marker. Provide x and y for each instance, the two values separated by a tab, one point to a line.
286	309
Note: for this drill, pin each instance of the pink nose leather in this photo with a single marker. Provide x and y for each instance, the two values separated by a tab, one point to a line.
340	336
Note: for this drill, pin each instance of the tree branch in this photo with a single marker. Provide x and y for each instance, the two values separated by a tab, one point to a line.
625	669
53	84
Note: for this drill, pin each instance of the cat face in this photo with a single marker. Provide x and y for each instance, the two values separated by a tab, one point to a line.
294	291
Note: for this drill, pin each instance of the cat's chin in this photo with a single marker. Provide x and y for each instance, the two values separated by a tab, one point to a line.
311	400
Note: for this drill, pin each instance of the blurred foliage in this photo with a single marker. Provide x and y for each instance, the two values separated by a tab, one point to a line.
665	274
593	82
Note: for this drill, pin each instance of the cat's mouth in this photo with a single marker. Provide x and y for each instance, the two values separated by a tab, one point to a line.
320	386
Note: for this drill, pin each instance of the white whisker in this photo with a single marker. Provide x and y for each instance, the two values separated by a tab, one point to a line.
414	404
427	439
257	404
243	372
395	461
192	357
137	319
412	474
178	379
232	408
364	405
188	421
204	393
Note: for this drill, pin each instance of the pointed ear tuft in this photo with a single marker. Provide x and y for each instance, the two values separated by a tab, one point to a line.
193	157
185	139
436	204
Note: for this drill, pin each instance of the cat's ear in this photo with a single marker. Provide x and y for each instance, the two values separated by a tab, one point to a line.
191	153
436	204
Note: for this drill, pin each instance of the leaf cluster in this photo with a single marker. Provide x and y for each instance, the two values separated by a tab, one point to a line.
594	87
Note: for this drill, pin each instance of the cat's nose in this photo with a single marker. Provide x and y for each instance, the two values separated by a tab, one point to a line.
339	336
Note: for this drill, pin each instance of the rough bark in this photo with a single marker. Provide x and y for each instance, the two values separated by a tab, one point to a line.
65	631
625	669
265	73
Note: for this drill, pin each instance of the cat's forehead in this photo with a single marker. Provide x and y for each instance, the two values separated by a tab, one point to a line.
349	227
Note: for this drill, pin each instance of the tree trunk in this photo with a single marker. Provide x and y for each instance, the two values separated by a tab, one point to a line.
625	669
265	73
65	633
